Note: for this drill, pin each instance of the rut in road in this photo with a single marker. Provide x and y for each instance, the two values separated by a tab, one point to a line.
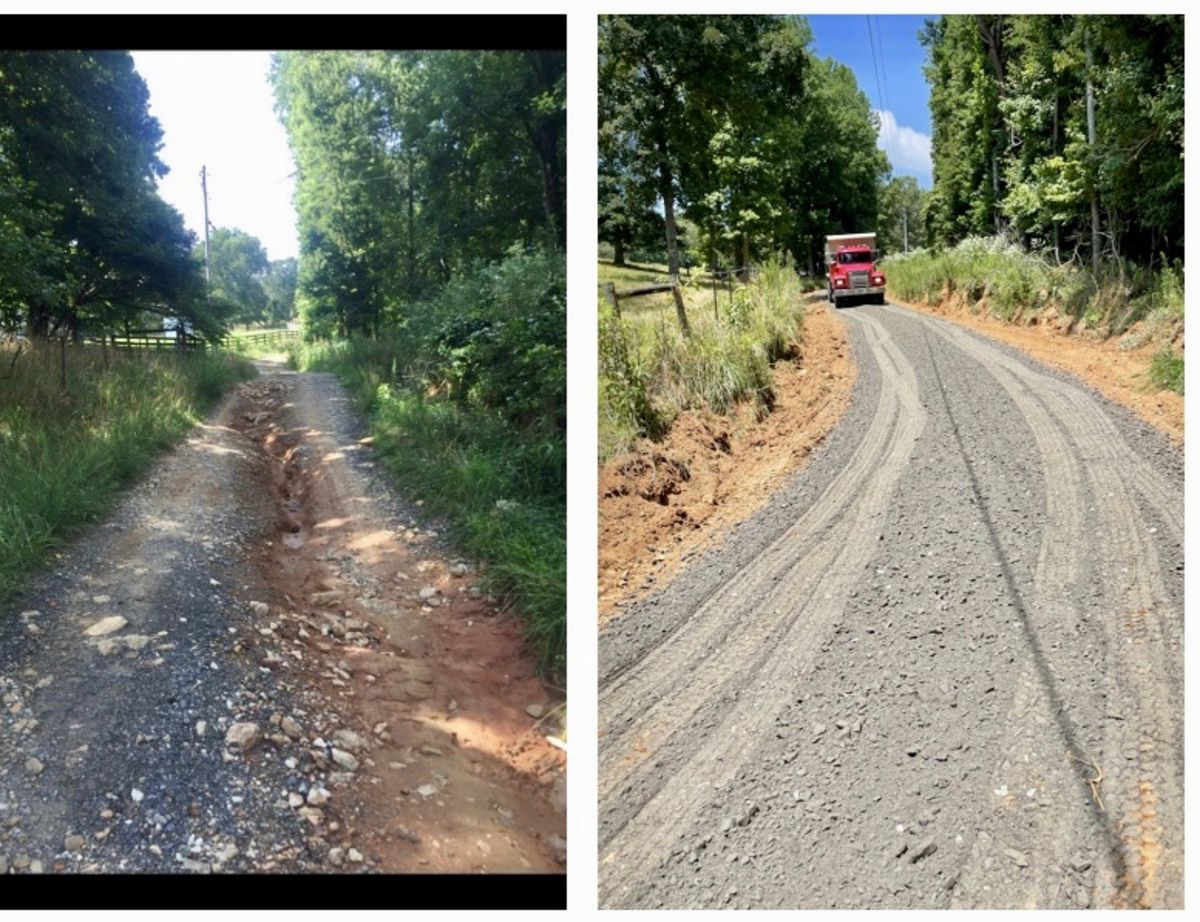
954	678
262	574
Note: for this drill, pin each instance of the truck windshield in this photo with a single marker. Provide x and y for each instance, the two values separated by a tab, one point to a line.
854	257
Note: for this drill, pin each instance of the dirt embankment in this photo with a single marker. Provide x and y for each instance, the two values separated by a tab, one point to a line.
1121	375
667	500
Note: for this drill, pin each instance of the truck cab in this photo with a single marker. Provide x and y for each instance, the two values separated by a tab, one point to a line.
851	269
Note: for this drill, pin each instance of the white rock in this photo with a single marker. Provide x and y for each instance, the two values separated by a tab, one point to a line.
348	739
289	726
106	626
318	796
201	727
427	593
295	800
344	759
260	608
243	736
535	710
354	855
136	795
427	790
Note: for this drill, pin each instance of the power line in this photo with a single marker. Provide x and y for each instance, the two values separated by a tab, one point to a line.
887	142
883	67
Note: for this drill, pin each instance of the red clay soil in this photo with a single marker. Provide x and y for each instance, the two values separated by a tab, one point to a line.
458	775
669	499
1121	375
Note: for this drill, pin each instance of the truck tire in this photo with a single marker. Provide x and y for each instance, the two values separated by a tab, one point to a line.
881	299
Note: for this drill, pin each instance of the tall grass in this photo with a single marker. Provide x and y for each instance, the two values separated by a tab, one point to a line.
63	453
1017	283
650	371
1120	299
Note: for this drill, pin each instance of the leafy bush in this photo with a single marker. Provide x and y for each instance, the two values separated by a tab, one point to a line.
1166	371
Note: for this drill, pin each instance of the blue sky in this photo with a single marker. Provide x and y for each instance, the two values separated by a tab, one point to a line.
899	57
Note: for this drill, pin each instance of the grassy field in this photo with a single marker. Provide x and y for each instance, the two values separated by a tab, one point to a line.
1132	302
650	371
64	453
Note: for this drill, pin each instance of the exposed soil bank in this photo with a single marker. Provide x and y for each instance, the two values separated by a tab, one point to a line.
669	499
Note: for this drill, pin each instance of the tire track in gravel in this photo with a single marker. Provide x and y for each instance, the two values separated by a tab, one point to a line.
682	679
1083	802
1144	782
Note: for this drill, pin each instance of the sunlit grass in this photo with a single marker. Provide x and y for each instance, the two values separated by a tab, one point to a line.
64	452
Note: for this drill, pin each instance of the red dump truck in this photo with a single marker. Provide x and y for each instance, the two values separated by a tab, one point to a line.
851	269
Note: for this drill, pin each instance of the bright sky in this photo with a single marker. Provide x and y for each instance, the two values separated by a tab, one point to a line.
900	93
216	108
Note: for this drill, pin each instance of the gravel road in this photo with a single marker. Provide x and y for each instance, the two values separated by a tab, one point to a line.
265	661
943	668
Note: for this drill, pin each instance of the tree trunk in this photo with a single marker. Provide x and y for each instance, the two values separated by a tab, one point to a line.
667	191
1091	130
618	252
545	145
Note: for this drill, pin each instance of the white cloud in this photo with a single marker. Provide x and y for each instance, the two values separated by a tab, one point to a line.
907	148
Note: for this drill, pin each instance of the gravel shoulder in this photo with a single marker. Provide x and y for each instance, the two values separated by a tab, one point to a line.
942	668
174	698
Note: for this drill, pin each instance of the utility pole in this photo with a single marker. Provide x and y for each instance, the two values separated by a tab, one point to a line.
204	187
905	228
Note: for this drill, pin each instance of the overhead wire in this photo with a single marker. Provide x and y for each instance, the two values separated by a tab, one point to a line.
887	141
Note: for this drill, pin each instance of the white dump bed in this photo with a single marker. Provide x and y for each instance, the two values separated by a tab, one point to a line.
846	240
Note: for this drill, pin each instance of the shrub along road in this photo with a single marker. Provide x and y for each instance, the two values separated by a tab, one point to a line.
944	667
263	661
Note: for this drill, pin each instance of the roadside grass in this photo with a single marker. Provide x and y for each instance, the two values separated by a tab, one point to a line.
466	400
1166	371
1121	299
650	371
503	493
65	453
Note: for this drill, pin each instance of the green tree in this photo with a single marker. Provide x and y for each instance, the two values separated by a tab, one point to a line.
98	247
238	267
280	287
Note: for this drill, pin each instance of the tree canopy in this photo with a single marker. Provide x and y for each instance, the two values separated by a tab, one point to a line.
414	167
734	121
1013	147
85	240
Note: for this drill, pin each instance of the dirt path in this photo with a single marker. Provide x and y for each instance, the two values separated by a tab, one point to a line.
261	585
943	668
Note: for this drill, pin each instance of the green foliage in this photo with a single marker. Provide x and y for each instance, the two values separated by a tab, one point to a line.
85	241
1017	283
65	453
238	268
735	121
468	408
1166	371
1011	147
650	371
413	168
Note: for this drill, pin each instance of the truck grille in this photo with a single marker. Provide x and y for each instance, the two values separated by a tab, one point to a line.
858	279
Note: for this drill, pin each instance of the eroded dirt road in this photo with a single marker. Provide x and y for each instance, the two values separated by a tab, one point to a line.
944	668
263	661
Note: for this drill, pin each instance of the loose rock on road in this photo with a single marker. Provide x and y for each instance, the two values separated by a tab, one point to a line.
264	661
943	668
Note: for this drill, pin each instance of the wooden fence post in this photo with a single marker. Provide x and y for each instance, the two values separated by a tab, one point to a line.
681	310
610	289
